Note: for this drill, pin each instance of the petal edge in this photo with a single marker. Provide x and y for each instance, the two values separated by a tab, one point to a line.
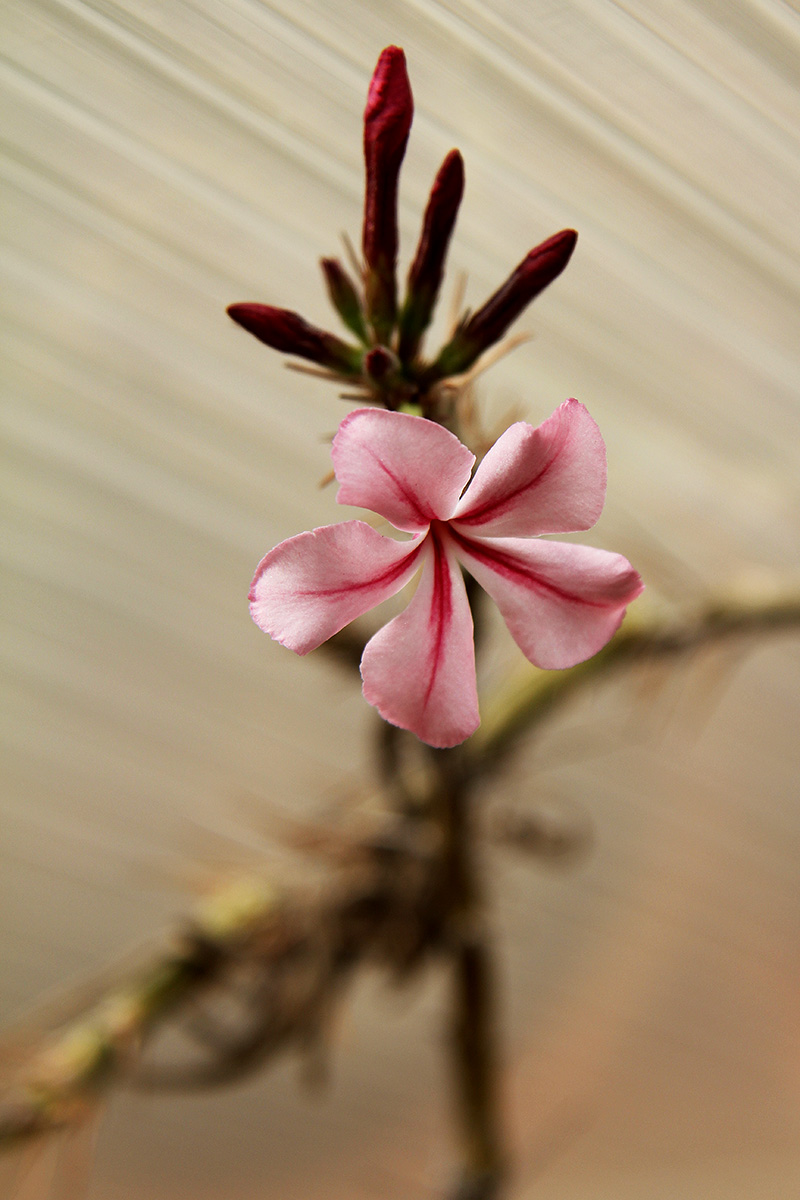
547	479
561	602
312	585
410	470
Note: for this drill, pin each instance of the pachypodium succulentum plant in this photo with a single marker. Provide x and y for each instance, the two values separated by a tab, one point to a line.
561	602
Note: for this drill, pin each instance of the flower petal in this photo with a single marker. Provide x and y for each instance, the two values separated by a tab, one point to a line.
406	468
419	670
311	586
561	602
551	479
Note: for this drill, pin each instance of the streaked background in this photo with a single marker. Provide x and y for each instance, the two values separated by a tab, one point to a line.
163	159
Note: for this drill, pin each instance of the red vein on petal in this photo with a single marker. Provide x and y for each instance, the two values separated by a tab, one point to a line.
441	611
387	576
391	573
510	568
498	507
424	517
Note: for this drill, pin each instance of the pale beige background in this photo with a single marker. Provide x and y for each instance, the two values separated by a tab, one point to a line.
162	158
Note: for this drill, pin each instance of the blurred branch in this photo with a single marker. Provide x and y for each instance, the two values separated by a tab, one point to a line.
532	695
379	904
61	1081
473	1058
389	897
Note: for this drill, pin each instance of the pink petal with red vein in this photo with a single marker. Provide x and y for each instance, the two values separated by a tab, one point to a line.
409	470
419	670
561	602
550	479
311	586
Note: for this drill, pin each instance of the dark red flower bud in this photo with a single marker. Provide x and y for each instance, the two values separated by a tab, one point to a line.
485	327
380	364
290	333
425	274
387	121
345	298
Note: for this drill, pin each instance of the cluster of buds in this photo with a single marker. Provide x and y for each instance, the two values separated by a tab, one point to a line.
385	365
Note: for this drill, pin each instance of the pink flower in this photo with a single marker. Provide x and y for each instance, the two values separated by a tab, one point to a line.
561	602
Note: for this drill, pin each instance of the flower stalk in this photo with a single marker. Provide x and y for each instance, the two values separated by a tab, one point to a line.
473	1062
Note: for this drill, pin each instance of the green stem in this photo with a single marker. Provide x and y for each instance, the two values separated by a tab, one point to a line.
474	1070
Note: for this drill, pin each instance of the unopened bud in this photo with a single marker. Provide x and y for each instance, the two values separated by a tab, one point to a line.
427	269
485	327
380	365
344	297
291	334
387	122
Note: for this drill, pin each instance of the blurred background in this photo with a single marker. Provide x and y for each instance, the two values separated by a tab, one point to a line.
164	159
